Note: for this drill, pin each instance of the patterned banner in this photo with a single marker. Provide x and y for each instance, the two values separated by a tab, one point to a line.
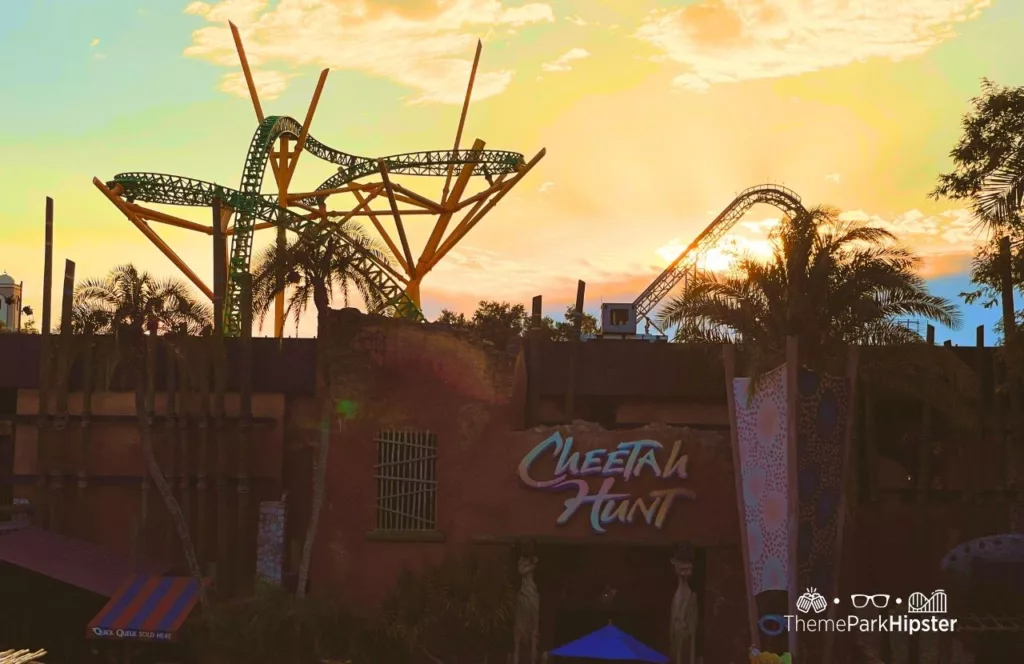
823	412
270	541
762	441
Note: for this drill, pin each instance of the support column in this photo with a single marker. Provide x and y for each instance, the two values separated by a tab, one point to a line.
412	289
45	375
534	364
283	174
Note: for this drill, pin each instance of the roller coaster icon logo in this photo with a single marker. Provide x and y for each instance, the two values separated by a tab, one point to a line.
921	603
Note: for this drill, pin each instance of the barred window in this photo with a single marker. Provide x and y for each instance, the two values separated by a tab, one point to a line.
406	475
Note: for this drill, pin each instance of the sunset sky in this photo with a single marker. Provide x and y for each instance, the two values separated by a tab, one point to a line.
654	114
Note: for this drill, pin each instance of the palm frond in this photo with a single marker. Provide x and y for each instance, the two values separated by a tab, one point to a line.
999	202
830	282
324	266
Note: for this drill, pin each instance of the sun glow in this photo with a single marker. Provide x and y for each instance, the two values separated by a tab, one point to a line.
722	258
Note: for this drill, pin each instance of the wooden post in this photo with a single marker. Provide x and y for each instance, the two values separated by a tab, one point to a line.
885	647
170	437
945	648
534	364
182	441
219	267
871	440
845	504
729	362
88	388
924	450
574	351
244	439
1016	419
1006	279
1000	418
48	269
45	350
922	490
914	648
221	460
971	484
146	431
60	422
203	454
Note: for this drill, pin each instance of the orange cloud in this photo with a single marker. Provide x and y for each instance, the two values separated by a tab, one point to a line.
269	84
563	62
423	46
724	41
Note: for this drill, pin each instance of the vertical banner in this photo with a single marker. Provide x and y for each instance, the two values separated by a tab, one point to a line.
760	429
270	541
825	412
762	442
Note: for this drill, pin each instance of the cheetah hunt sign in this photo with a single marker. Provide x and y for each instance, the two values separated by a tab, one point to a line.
614	467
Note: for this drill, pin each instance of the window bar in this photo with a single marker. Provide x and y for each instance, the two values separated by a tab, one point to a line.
417	479
400	480
385	494
431	464
389	472
409	470
408	483
380	483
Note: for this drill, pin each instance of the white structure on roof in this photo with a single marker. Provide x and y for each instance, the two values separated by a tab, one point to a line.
10	303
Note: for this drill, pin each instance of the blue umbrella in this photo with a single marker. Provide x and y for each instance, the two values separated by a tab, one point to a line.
610	642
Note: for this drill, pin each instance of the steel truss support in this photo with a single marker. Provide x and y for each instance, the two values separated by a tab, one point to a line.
279	141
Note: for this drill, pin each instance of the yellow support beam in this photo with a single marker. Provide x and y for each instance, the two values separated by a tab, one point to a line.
462	119
304	132
380	229
451	205
170	220
253	94
153	237
406	251
474	217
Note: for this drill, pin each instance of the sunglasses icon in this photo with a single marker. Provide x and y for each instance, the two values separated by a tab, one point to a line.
862	601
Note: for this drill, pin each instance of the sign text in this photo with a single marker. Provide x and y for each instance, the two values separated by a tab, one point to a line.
628	460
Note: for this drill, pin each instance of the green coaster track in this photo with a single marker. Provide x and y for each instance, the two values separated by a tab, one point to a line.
250	205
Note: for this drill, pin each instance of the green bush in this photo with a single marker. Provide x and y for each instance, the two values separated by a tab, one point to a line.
273	627
457	612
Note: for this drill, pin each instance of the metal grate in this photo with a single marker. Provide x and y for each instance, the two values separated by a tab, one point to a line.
406	475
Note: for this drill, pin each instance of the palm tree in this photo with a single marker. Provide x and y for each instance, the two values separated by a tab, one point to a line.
315	271
1000	201
127	303
832	283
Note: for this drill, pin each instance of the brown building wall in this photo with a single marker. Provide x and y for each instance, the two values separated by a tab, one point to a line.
113	506
432	381
480	497
404	376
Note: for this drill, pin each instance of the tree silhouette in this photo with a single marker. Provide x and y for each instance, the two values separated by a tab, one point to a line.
502	323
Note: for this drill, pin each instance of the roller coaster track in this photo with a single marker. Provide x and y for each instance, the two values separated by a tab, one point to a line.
249	204
780	197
